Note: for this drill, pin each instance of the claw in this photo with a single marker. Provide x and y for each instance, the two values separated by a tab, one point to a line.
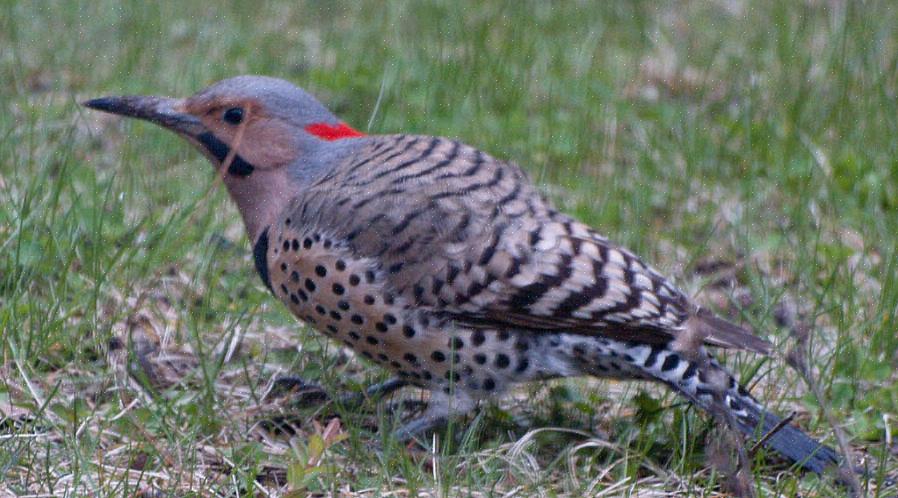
305	393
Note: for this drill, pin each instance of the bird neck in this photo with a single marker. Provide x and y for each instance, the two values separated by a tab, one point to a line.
264	193
261	197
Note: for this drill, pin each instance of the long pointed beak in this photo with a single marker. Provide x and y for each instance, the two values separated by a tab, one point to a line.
163	111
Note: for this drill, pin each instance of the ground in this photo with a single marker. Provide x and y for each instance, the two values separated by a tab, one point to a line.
747	149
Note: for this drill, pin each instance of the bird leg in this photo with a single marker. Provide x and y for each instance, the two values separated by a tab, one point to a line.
302	391
374	392
441	408
418	427
308	394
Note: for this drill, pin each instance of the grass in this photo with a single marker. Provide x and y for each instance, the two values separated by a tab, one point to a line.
746	148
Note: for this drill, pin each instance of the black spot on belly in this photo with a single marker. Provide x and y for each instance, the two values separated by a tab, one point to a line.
477	338
502	360
260	256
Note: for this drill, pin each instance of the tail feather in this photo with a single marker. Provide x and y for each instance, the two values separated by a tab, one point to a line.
788	440
703	381
709	386
754	420
718	332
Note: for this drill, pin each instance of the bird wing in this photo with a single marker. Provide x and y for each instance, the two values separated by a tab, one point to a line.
468	236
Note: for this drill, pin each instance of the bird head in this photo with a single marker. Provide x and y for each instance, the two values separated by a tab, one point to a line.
264	135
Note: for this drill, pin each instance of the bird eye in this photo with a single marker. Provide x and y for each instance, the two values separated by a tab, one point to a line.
233	115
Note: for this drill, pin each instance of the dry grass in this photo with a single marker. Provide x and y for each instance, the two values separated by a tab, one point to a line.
746	149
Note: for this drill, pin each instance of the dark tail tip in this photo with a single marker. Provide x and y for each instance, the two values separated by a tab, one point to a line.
797	446
108	104
794	444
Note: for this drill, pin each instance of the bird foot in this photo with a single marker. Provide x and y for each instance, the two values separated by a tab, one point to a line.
417	428
375	392
307	394
303	393
440	409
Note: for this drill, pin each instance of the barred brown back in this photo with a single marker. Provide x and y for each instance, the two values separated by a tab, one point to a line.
468	236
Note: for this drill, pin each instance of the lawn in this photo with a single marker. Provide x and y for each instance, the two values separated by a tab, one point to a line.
747	149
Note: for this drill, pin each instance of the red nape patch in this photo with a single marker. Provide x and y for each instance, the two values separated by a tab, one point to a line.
326	131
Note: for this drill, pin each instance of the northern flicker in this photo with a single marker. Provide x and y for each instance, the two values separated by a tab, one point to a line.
445	265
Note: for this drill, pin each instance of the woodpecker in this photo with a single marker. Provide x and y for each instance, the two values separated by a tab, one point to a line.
446	266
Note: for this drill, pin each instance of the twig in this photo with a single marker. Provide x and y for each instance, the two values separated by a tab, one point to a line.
238	139
776	428
797	359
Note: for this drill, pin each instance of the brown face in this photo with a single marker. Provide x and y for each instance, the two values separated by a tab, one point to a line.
233	127
216	125
260	139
